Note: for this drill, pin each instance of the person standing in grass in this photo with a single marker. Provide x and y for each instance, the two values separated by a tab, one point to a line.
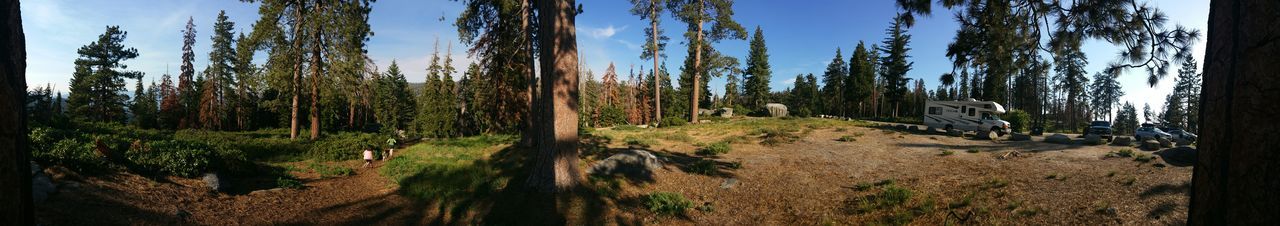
368	156
391	148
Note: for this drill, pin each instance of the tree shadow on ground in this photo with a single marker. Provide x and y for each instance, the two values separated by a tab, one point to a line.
1167	189
487	191
93	205
1179	156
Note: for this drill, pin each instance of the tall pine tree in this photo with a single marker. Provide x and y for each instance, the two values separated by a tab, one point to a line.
758	73
895	62
97	85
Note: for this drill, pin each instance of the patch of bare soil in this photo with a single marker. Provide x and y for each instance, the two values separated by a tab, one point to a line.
820	180
131	199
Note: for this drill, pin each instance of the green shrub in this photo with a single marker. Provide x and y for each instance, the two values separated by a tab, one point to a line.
1018	120
972	151
611	115
1125	153
704	167
180	158
715	149
288	182
639	141
73	153
1143	157
344	146
673	122
776	136
946	153
847	138
666	203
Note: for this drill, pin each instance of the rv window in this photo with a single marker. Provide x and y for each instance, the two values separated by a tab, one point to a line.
935	110
986	116
963	109
971	112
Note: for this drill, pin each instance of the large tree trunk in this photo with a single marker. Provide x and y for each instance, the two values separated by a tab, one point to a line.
315	80
697	68
657	82
556	166
529	138
15	169
1237	172
297	78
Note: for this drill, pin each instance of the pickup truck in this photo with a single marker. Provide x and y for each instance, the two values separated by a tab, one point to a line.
1100	128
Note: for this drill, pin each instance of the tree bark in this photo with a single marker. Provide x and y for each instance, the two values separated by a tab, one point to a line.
15	169
315	80
529	138
556	166
297	75
1236	173
657	82
697	67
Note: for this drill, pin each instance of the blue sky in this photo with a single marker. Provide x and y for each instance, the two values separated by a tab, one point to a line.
802	37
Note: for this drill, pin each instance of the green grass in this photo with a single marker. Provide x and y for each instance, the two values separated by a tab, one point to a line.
327	171
1143	157
450	170
704	167
288	182
946	153
714	149
645	142
972	151
847	138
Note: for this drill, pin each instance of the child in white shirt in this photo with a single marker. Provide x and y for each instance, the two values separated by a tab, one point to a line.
368	157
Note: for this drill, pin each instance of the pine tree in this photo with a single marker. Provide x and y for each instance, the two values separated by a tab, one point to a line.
895	63
757	76
655	42
218	76
1107	93
248	83
188	101
861	77
1187	87
833	86
97	85
719	13
144	106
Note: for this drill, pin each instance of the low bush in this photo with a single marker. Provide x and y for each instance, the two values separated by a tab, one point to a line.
76	154
775	136
673	122
946	153
715	149
1019	120
704	167
180	158
288	182
645	142
344	146
1143	157
666	203
847	138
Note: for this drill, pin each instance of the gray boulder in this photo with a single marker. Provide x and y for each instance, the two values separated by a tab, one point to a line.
987	135
214	181
1019	137
1150	144
705	111
955	133
1165	142
1122	141
41	185
725	112
630	162
1182	142
1093	139
1058	139
776	109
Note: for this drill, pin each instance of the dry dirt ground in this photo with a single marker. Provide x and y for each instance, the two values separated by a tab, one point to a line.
814	180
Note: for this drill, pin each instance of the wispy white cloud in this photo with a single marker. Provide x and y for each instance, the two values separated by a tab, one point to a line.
606	32
630	45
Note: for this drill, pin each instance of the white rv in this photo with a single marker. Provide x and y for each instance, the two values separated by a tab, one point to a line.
966	115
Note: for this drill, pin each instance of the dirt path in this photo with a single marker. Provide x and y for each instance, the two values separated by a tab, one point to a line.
132	199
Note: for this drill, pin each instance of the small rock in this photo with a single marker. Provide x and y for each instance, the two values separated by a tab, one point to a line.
215	182
729	183
627	162
988	135
41	186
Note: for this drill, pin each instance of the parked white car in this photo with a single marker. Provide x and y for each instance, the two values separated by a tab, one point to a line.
1150	133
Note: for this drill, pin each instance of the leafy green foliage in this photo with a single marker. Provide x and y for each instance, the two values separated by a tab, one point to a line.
672	122
1019	120
666	203
344	146
704	167
716	148
179	158
288	182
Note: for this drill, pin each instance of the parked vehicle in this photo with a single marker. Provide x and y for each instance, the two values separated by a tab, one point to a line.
1151	132
1182	134
966	115
1100	128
